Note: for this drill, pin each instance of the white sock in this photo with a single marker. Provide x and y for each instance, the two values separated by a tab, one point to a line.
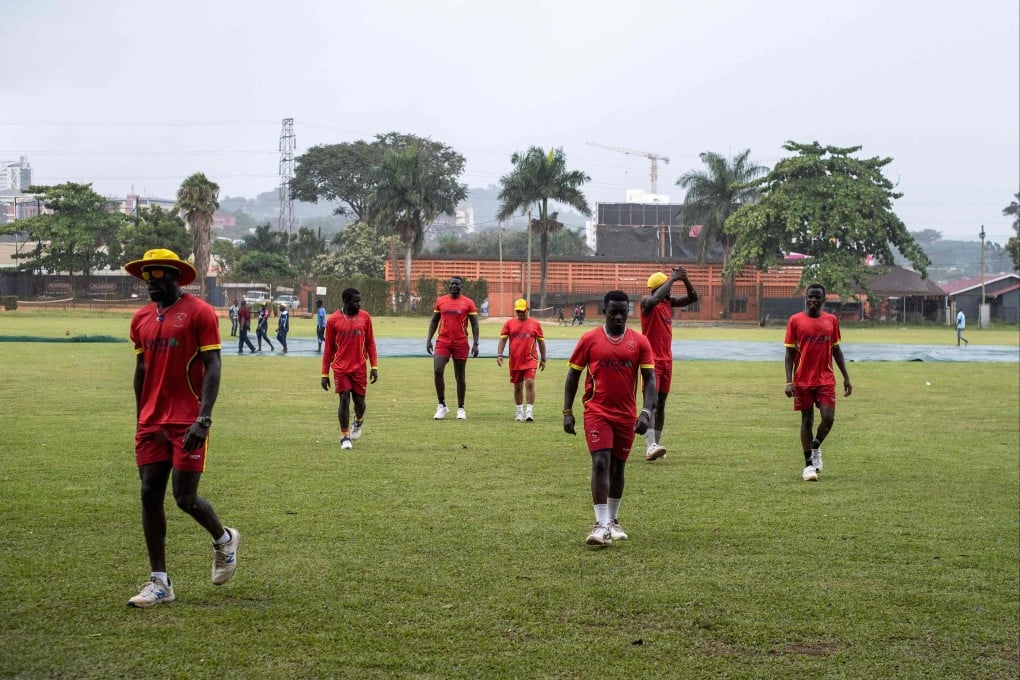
161	575
225	538
650	437
614	508
602	514
529	408
520	408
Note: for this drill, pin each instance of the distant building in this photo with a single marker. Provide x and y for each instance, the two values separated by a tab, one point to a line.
1002	293
15	175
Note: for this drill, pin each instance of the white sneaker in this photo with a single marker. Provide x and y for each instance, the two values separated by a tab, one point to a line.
809	474
225	558
153	592
441	412
461	414
655	452
346	443
355	431
616	531
599	535
529	416
519	417
816	459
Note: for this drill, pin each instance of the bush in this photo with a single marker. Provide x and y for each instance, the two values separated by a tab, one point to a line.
10	302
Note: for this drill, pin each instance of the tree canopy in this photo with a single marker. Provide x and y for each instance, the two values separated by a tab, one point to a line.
825	203
537	178
154	227
416	182
344	173
1013	244
79	235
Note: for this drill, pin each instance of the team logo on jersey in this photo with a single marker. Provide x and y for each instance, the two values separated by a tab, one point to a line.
179	319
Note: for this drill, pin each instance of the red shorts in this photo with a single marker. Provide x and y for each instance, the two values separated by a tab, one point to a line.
663	375
521	376
161	443
806	397
350	382
455	350
602	433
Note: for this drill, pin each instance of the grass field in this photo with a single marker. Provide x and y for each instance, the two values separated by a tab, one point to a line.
456	549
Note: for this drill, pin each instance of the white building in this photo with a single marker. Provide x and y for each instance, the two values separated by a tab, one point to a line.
15	174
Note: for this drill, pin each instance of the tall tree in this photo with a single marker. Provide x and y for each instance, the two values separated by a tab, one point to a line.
830	205
197	201
1013	244
537	178
416	182
344	173
361	251
265	240
80	234
154	227
713	194
303	248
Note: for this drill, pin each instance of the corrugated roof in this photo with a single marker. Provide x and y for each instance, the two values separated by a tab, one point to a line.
972	282
899	281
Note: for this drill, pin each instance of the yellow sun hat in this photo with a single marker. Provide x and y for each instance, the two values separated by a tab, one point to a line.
161	257
521	305
656	280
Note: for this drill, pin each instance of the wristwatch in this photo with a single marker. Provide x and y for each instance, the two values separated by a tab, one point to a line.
204	421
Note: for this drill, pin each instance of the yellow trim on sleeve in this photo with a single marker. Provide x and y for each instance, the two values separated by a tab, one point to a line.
207	348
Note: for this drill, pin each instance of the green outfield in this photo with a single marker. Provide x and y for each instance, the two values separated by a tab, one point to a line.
455	549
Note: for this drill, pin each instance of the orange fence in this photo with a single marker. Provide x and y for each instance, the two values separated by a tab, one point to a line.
585	282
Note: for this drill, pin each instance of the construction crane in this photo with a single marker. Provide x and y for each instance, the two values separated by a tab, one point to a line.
655	158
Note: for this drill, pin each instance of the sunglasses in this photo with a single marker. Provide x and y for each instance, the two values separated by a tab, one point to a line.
154	273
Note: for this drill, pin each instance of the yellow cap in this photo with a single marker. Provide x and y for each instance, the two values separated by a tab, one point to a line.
521	305
161	257
656	280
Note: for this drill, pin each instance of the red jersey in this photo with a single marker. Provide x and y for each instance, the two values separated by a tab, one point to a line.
614	366
349	341
172	388
453	318
657	326
523	337
813	338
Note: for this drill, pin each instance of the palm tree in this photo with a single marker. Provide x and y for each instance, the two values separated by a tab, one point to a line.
712	196
197	201
415	185
537	178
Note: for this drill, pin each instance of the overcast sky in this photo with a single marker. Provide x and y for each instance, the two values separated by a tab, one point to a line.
139	95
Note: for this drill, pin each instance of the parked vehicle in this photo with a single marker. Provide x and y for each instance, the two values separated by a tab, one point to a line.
290	300
256	297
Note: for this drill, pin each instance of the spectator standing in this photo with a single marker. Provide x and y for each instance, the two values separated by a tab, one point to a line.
527	343
320	323
450	316
614	357
283	327
174	398
262	328
233	318
350	348
244	327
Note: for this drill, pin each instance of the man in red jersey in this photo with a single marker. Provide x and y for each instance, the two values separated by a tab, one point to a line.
450	316
349	342
177	379
614	356
657	326
524	335
812	342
